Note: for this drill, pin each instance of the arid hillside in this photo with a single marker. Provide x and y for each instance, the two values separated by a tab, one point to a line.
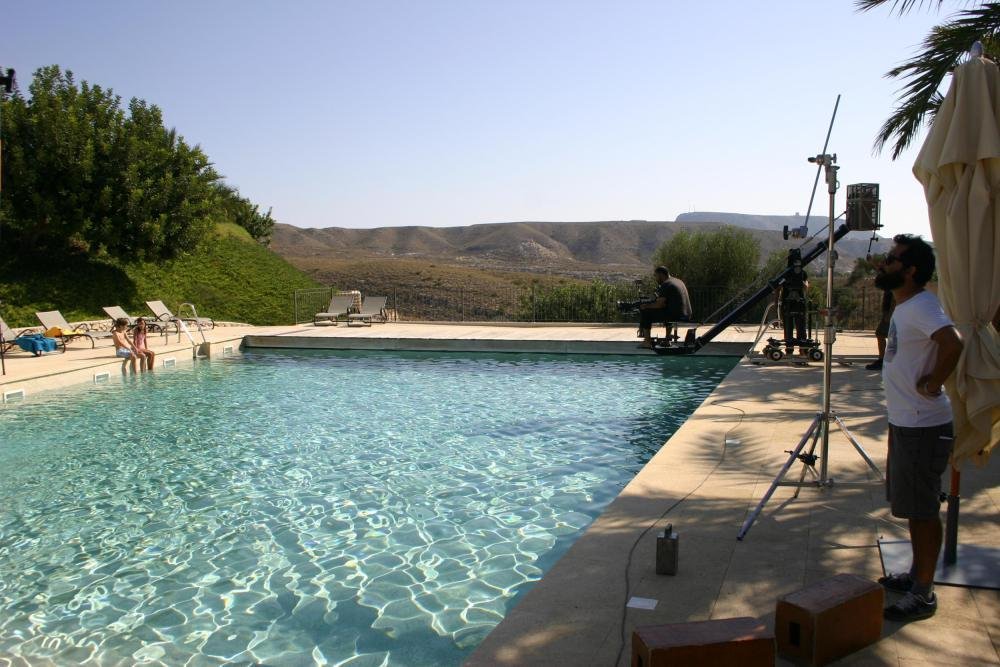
610	250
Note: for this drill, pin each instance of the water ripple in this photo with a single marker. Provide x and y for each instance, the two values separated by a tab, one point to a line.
294	508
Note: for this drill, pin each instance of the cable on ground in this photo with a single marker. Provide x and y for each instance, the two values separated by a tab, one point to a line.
631	551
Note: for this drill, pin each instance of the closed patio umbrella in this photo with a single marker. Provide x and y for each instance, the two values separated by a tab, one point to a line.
959	168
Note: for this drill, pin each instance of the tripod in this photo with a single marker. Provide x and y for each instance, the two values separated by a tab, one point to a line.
819	430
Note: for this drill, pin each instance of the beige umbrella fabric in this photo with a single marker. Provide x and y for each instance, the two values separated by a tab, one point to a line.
959	168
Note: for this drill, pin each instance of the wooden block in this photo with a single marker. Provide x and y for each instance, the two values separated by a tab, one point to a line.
829	619
742	642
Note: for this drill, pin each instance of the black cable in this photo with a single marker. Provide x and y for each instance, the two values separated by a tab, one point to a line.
631	551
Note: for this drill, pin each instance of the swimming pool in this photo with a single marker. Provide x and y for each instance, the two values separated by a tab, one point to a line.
301	507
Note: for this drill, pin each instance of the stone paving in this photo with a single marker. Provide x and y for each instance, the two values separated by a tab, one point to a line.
704	481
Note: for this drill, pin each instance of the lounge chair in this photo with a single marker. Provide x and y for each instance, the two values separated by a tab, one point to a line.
56	326
118	313
340	306
163	314
372	310
26	340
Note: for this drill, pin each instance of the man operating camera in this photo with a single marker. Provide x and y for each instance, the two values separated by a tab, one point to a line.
672	304
792	298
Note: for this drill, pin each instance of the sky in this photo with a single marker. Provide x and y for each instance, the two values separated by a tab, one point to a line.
384	113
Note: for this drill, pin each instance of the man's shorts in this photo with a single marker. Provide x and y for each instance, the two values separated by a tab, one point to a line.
917	459
123	352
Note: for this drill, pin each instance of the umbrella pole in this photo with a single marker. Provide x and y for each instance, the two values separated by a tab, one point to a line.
951	524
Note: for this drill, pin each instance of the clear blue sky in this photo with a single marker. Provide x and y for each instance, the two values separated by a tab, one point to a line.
378	113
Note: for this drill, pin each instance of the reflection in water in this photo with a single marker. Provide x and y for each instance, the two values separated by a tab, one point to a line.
303	508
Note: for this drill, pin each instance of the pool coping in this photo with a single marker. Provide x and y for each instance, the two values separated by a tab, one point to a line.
552	346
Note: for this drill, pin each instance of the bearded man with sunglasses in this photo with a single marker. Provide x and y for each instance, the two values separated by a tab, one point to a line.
922	349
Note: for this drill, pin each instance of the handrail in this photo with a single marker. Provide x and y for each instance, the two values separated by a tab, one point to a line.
197	321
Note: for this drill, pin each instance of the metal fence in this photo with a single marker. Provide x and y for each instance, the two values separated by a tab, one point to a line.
308	302
858	307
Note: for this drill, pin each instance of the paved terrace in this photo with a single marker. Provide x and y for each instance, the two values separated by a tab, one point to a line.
706	479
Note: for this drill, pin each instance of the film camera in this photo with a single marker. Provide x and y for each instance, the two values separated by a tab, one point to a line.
631	307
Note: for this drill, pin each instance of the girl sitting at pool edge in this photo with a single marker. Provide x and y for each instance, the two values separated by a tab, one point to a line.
139	345
123	347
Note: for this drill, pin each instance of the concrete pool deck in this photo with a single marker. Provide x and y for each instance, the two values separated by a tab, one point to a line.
710	474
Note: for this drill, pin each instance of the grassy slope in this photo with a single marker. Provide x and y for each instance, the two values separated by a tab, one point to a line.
430	290
230	278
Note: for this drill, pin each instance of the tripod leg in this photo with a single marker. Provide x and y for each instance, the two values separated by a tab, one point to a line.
857	446
805	466
774	485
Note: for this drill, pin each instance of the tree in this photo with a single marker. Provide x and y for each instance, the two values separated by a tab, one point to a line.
864	269
242	212
942	49
591	302
81	173
775	263
724	259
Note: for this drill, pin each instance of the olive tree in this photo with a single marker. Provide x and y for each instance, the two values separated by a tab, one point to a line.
724	259
82	173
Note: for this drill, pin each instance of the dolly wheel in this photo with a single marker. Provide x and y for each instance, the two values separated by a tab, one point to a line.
816	354
775	355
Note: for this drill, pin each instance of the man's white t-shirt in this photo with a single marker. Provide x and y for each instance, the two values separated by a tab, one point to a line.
909	355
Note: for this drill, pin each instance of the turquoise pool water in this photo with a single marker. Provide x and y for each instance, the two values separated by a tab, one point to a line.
297	508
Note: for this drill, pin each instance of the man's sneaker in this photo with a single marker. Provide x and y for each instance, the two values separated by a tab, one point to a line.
912	607
875	365
901	582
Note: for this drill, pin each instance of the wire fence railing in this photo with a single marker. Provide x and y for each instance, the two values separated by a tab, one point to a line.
858	307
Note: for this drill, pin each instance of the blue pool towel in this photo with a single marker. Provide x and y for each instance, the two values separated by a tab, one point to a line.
36	344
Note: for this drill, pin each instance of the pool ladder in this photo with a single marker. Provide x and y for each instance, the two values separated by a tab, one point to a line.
183	327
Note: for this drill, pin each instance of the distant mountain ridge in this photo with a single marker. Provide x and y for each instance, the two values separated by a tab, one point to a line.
775	223
610	249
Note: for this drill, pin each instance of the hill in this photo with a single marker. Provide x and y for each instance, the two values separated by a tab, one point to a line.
611	250
230	277
419	289
774	223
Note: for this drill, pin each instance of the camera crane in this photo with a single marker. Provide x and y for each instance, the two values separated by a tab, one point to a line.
692	343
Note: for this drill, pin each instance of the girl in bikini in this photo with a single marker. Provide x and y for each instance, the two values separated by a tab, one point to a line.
139	345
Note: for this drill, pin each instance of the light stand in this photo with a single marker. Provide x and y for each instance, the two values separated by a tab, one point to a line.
820	427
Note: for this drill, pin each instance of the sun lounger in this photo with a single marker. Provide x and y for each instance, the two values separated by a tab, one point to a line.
56	326
35	343
163	314
372	310
340	307
118	313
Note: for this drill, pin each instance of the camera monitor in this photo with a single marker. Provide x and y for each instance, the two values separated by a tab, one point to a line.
863	207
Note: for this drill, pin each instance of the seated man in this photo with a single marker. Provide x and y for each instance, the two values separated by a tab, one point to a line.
672	305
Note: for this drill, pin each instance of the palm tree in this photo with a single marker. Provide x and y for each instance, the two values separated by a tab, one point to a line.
920	97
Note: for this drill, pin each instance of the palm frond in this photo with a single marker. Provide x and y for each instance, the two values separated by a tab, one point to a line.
942	50
898	6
